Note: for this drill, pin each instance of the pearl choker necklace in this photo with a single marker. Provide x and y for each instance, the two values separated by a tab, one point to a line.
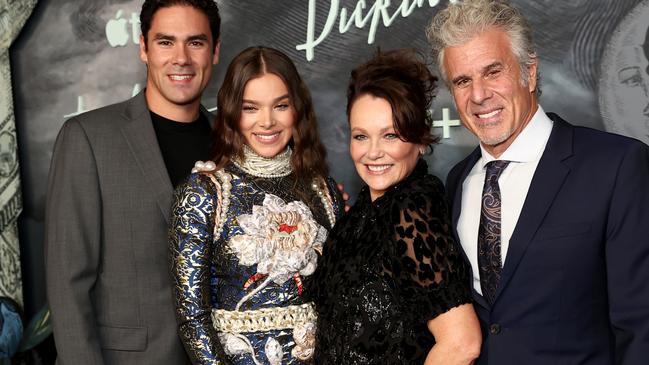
279	166
255	165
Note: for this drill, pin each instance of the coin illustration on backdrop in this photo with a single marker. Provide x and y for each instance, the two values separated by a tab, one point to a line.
624	76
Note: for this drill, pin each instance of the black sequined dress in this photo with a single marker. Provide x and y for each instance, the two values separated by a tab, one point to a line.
387	268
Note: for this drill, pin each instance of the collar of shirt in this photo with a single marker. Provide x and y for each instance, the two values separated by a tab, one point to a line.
529	144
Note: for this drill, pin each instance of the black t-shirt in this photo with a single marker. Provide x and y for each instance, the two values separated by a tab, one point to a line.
182	144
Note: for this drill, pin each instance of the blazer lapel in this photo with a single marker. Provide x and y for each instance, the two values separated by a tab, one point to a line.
457	194
142	141
470	161
548	178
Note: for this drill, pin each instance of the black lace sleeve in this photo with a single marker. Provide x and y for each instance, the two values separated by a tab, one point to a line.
430	274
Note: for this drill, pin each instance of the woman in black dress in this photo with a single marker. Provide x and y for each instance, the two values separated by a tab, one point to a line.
391	287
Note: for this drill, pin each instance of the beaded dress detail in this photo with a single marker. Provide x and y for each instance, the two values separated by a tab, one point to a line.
245	241
388	267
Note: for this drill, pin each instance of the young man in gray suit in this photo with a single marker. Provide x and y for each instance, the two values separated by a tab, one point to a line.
110	190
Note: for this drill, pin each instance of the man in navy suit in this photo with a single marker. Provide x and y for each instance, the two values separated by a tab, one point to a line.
553	218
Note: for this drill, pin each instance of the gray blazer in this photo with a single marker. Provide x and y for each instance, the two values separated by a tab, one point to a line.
108	201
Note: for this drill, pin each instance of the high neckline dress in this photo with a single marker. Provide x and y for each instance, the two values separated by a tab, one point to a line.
240	286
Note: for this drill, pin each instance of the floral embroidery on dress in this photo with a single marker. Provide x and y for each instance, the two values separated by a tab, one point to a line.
237	300
304	337
282	239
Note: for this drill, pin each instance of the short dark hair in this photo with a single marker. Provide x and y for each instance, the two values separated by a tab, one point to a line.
207	7
309	154
402	78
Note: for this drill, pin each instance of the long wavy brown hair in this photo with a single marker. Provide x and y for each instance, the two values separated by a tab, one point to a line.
309	154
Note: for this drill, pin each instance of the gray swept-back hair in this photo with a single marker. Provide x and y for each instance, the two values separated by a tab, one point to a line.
460	22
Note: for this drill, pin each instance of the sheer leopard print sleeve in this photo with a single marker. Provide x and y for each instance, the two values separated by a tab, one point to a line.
190	239
431	275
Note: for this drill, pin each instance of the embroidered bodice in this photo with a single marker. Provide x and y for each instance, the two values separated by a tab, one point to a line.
243	249
388	267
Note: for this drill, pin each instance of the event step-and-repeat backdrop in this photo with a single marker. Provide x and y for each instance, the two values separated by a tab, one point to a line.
77	55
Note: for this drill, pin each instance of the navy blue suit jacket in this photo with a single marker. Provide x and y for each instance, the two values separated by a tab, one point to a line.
575	283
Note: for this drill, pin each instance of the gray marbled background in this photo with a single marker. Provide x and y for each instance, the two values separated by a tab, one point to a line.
63	57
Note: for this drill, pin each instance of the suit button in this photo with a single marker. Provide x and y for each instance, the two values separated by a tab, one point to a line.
494	329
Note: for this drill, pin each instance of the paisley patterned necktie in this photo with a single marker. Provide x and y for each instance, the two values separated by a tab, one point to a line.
489	258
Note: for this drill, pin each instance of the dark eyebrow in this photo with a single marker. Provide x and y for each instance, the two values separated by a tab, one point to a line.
457	79
485	70
169	37
285	96
492	66
162	36
198	37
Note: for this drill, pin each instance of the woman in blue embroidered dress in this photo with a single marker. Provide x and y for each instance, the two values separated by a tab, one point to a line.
247	227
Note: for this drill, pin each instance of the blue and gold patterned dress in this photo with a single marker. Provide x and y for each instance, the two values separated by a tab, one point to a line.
244	242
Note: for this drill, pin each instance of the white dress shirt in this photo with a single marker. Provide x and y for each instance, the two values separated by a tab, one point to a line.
524	153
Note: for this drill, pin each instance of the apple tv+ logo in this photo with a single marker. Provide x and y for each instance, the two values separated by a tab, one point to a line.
117	32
